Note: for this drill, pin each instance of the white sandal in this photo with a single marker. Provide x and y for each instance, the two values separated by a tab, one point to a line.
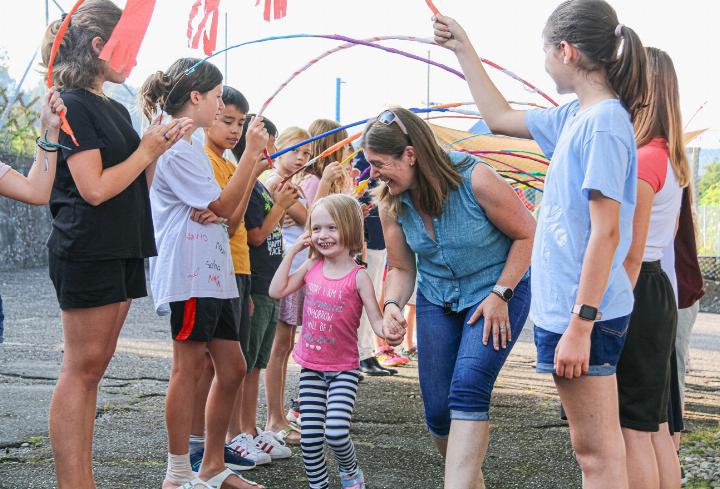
216	482
195	483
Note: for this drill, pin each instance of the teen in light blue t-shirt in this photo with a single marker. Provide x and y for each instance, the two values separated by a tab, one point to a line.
585	223
590	149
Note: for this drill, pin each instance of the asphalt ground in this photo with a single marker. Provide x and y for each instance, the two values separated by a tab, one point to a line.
529	445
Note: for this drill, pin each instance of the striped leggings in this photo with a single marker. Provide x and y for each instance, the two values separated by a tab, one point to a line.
326	405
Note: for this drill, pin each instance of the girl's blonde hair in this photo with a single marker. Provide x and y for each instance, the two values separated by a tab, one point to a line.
287	138
346	213
661	116
290	135
321	126
170	91
77	64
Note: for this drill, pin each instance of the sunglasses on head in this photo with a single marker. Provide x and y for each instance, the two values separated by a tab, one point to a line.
387	117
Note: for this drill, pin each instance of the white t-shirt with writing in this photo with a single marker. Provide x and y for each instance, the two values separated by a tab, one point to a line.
193	259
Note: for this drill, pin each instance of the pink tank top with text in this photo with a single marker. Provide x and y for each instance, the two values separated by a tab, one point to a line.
331	316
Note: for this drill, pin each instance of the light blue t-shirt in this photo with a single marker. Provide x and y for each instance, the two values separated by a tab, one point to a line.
590	149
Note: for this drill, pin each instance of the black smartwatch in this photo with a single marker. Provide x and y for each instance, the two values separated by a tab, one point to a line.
585	312
505	293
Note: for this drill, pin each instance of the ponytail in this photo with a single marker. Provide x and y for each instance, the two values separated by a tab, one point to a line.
627	74
153	93
592	26
170	91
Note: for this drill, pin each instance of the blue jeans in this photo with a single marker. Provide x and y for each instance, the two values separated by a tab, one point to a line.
457	372
606	344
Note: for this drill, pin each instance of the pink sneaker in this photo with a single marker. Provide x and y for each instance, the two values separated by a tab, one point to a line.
388	358
355	481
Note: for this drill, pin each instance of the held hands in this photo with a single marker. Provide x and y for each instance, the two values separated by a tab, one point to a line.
257	136
160	137
572	354
393	325
449	34
497	321
51	107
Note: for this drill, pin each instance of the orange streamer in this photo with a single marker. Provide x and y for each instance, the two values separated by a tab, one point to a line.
65	125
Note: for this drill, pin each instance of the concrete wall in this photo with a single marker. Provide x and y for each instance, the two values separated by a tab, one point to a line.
23	229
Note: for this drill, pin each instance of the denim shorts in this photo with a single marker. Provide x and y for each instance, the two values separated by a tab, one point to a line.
606	344
458	372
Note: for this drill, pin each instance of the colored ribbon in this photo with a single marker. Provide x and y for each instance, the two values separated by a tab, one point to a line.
432	6
210	11
279	8
332	149
64	124
268	157
122	48
395	51
350	42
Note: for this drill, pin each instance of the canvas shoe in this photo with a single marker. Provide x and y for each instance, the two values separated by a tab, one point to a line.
245	445
270	445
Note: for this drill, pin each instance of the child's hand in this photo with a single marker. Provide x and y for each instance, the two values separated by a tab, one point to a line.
449	34
285	195
51	107
366	208
302	242
393	325
261	165
206	216
332	172
256	137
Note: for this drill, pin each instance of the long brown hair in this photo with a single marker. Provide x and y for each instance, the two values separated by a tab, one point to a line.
661	117
593	27
436	175
321	126
77	64
170	91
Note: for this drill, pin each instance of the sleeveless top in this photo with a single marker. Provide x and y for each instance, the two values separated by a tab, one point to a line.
461	265
331	317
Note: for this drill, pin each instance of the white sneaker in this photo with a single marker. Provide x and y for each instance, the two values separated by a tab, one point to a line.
245	445
269	444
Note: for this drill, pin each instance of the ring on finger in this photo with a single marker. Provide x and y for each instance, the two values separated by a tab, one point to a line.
166	137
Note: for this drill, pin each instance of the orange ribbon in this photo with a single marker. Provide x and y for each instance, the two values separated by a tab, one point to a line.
122	48
432	7
65	125
210	9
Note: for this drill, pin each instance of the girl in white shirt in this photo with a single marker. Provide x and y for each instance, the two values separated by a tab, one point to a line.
193	275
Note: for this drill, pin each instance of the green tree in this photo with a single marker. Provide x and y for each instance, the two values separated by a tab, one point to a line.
19	129
711	196
710	178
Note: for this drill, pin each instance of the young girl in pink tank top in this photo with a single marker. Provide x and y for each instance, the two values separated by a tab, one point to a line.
336	290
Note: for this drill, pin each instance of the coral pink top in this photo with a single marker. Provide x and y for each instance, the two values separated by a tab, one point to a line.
331	316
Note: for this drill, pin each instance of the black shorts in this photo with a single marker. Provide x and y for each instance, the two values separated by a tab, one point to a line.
205	318
244	325
83	284
644	369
